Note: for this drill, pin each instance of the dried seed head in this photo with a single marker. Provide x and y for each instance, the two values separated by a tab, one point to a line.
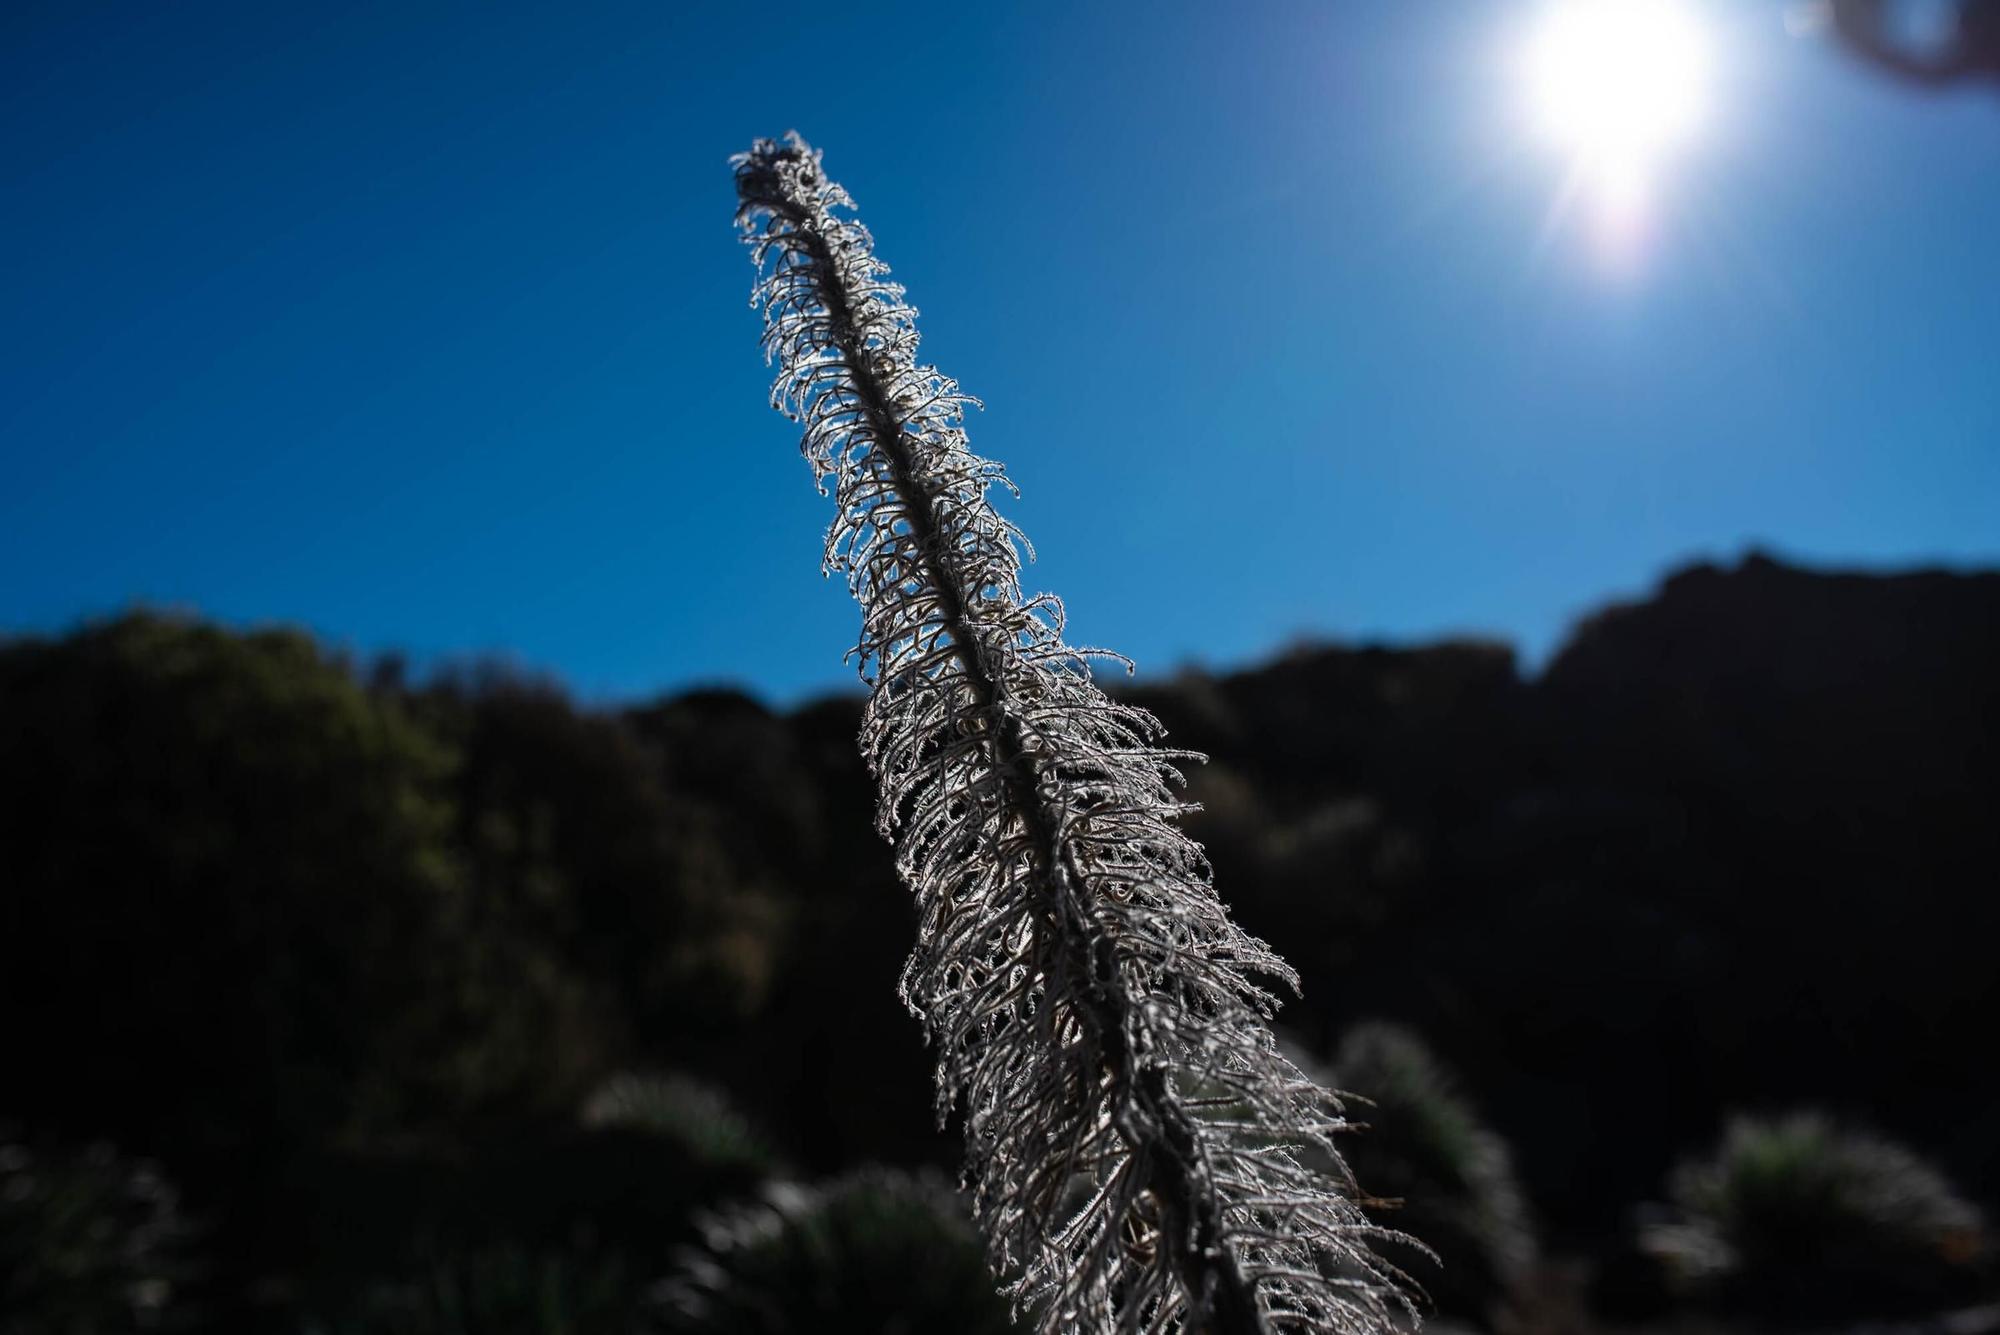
1140	1155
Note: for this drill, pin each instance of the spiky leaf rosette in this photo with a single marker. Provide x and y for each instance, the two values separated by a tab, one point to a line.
1133	1136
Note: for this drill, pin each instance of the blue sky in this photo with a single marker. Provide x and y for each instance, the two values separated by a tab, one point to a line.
425	327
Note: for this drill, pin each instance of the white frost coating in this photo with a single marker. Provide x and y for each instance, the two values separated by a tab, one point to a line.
1133	1136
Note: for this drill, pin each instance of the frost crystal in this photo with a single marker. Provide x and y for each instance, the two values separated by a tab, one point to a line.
1137	1149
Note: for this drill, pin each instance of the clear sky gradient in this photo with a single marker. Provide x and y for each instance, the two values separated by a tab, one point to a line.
425	326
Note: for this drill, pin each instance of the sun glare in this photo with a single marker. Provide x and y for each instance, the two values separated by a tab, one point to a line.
1620	86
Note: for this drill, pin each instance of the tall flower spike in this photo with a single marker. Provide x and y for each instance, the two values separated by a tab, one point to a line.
1140	1156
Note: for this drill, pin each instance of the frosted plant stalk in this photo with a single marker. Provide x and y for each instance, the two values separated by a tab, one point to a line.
1133	1135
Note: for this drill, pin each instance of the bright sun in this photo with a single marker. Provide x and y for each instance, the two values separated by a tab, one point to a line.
1620	85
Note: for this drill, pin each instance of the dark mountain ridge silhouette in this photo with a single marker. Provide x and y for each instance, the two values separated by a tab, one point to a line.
1737	838
1735	848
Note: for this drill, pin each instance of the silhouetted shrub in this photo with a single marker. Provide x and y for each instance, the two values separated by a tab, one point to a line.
876	1251
1798	1217
691	1113
558	1229
503	1290
91	1243
1425	1146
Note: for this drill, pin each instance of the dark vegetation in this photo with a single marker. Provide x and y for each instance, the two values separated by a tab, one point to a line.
340	1002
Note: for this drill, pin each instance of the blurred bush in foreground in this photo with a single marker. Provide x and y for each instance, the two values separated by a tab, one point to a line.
691	1113
560	1231
1797	1217
1426	1147
876	1251
90	1242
